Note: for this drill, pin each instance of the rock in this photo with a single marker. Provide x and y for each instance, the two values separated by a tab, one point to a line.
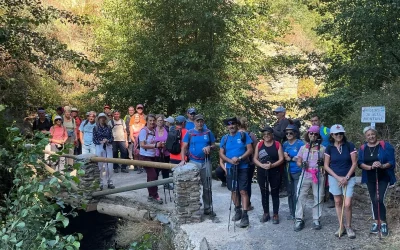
204	244
162	218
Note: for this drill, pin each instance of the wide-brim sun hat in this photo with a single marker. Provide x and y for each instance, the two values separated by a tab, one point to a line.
337	128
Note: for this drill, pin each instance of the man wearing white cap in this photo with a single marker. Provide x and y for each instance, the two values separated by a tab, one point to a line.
169	122
281	124
86	135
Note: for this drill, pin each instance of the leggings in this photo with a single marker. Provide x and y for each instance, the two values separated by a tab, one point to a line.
383	185
265	179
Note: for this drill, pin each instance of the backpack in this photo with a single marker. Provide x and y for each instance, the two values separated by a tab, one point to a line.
382	143
260	143
173	143
242	138
147	135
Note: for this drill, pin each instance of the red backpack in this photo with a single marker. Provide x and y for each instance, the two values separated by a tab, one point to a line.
260	143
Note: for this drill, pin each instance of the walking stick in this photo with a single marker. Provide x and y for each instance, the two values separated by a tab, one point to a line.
377	200
208	180
230	206
235	191
341	216
302	177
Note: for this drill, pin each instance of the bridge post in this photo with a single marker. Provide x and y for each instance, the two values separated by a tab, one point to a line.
91	176
187	194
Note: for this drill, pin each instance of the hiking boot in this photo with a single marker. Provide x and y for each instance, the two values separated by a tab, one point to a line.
155	200
210	213
275	219
238	214
384	229
342	233
298	225
223	184
124	170
331	204
350	233
110	185
290	217
140	170
244	222
265	218
317	225
251	208
116	170
374	228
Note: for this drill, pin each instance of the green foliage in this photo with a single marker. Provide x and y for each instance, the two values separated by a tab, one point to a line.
147	242
306	88
31	212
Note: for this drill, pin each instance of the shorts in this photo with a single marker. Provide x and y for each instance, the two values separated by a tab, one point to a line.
334	188
241	182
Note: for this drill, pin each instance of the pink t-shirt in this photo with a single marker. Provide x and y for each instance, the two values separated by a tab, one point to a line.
59	133
163	138
312	158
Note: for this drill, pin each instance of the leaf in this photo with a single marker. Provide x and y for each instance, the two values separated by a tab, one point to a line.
80	236
24	213
81	172
53	230
65	222
53	180
40	189
16	181
19	244
17	139
69	248
21	224
5	237
77	244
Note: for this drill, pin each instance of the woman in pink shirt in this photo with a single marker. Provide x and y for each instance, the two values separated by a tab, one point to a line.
162	155
134	135
59	136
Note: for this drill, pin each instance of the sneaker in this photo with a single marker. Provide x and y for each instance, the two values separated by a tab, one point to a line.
244	222
350	233
374	228
223	184
275	219
210	213
341	233
298	225
116	170
140	170
384	229
110	185
238	214
251	208
155	200
265	218
317	225
124	170
290	217
331	204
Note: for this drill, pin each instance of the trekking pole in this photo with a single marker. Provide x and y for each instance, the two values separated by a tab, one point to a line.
208	180
230	206
341	216
235	192
302	177
377	200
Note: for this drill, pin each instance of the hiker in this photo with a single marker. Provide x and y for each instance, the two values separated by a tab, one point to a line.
162	154
340	162
376	158
243	127
190	122
86	134
135	129
180	121
281	124
199	142
268	156
103	139
148	145
140	112
291	172
310	159
235	149
70	125
107	111
169	122
120	142
127	120
59	136
59	112
41	123
78	121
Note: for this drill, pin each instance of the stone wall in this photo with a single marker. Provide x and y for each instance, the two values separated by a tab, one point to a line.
187	194
90	179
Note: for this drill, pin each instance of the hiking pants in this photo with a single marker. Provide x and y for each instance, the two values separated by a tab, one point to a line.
130	149
267	178
206	190
303	192
220	174
106	169
121	147
89	149
151	176
383	186
292	181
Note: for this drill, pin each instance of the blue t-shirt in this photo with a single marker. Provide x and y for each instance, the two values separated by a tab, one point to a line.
190	125
87	132
324	132
235	147
198	140
292	151
341	163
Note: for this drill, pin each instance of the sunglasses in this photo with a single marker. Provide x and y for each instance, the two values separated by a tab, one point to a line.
267	134
289	133
340	133
57	120
231	123
312	133
139	108
192	113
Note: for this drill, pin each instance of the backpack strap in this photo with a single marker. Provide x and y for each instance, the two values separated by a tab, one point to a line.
259	145
277	145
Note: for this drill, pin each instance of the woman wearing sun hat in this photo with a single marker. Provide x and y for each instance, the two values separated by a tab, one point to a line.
377	160
340	162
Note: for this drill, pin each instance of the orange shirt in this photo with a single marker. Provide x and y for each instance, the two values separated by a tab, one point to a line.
178	156
142	120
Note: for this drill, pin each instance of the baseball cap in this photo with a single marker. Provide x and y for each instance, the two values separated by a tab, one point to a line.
192	110
230	121
366	129
102	115
180	119
57	118
199	117
337	128
280	109
139	106
291	127
170	119
74	110
314	129
267	129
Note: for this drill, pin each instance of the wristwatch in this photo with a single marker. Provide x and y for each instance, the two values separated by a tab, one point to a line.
347	177
240	158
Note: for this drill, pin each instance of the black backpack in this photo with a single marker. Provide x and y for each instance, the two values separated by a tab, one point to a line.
173	143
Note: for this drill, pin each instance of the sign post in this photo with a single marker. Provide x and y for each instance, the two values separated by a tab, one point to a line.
373	115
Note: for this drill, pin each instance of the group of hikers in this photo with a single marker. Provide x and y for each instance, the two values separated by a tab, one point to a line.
325	159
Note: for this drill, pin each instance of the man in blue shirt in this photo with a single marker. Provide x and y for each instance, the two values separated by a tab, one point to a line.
323	131
235	149
199	142
191	113
86	135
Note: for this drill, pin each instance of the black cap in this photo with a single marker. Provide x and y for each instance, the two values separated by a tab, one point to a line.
230	121
267	129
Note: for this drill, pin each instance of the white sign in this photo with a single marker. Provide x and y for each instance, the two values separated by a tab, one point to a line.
373	114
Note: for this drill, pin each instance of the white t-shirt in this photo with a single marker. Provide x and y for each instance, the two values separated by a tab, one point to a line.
145	132
118	129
